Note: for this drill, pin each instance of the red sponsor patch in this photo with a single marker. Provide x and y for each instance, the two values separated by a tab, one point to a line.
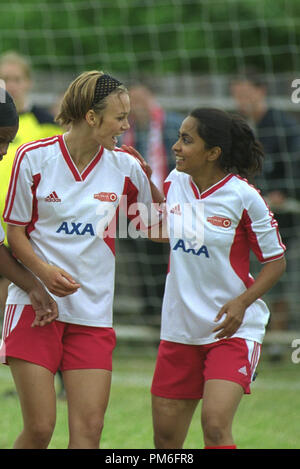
106	196
219	221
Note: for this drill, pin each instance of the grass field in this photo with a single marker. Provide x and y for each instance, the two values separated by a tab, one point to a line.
267	419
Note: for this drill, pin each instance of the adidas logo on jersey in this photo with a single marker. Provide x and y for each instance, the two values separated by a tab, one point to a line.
176	210
53	197
243	370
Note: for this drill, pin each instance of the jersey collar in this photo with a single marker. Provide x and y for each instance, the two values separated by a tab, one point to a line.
211	189
68	159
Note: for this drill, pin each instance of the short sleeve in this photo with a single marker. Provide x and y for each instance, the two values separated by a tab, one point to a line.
262	229
18	204
139	198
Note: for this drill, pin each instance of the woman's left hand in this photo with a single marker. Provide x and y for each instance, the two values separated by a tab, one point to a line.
45	307
132	151
234	311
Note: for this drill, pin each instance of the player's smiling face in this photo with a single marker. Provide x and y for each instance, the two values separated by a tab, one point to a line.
190	149
113	121
7	134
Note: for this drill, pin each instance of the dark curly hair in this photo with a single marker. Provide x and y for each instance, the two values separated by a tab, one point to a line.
241	153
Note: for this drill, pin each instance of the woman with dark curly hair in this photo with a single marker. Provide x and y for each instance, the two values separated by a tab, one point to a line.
213	317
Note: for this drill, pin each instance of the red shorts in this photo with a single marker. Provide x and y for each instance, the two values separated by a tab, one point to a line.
181	370
57	345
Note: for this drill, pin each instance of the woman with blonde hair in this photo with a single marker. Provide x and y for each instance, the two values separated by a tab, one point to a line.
60	190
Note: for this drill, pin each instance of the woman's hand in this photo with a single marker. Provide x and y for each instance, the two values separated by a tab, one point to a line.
43	304
132	151
234	311
58	281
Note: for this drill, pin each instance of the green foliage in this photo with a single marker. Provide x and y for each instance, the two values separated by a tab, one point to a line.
158	36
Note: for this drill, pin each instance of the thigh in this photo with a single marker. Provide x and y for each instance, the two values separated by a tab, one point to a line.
176	389
171	419
86	368
220	401
36	390
87	395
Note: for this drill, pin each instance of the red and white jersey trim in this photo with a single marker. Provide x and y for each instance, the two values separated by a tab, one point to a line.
62	211
208	270
21	152
77	175
11	317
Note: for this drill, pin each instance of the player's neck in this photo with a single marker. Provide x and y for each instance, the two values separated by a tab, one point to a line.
81	150
204	182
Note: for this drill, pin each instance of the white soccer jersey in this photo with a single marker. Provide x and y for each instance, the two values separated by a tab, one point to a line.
67	215
209	264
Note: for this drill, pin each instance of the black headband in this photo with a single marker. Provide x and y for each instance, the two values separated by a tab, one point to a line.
104	86
8	113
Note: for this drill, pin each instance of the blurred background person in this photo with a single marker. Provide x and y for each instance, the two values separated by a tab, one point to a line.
35	122
279	133
152	132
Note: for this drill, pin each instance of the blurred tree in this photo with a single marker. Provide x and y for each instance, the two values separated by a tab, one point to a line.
153	35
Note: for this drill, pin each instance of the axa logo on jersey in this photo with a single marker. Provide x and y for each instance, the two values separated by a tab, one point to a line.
76	228
190	247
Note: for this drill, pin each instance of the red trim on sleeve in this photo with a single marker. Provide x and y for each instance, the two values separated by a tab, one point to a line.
244	239
20	223
167	187
253	239
35	213
274	258
131	192
247	222
274	223
239	256
21	152
12	185
109	233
